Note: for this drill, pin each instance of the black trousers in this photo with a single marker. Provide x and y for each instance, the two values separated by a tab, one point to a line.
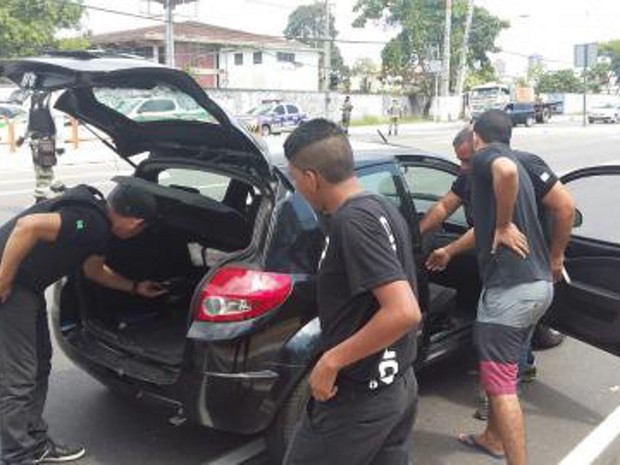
25	364
358	427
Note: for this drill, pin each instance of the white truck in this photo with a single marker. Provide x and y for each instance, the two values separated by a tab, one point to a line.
518	101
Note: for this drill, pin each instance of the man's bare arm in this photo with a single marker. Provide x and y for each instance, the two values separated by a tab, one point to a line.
506	186
96	270
561	206
441	210
398	314
439	258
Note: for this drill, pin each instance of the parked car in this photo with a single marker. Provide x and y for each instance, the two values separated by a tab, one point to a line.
608	113
273	117
11	111
156	107
231	345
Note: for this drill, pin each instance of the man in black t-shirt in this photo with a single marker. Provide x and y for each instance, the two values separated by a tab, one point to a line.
41	245
363	387
515	268
555	206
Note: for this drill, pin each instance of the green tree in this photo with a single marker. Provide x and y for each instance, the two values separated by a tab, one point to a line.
600	78
559	82
366	70
611	49
28	26
307	24
407	57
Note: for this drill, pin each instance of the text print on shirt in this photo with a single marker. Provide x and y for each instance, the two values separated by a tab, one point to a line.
388	367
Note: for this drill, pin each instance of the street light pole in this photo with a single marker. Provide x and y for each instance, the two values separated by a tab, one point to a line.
460	80
445	74
169	33
327	57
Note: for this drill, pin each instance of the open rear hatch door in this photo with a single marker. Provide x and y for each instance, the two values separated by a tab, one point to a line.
143	107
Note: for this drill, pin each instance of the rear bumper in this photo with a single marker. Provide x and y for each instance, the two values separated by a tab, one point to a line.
240	403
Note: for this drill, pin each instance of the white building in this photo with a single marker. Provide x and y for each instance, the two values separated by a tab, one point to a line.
273	66
224	58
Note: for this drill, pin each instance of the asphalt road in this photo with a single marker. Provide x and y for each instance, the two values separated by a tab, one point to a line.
577	388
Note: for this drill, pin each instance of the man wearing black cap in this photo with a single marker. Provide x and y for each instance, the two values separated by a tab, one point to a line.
39	246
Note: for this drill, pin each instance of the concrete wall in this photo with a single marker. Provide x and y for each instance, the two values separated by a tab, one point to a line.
573	103
300	75
237	102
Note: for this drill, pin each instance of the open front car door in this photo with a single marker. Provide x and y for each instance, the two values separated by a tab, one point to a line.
587	304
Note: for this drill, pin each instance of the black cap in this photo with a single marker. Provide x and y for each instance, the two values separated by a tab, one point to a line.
132	201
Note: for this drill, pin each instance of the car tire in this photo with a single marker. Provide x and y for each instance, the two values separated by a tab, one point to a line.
265	130
529	121
590	121
281	430
545	337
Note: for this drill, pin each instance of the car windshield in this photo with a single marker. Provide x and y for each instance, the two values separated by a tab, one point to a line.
160	103
261	110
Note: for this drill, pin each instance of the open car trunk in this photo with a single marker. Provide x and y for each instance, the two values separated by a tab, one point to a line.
146	338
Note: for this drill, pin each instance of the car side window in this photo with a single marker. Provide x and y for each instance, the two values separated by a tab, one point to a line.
381	182
598	221
196	181
279	110
292	109
427	185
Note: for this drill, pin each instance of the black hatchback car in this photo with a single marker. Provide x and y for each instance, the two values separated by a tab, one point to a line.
230	346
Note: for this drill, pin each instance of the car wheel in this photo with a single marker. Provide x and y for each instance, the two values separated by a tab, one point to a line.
529	122
265	130
545	337
590	121
281	430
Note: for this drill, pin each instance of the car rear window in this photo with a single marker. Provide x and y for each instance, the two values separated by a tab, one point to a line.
160	103
198	181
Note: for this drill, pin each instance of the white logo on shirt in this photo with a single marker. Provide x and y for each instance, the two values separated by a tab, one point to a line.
388	369
324	251
386	225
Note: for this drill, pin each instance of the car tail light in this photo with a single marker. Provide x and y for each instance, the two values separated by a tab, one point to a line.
236	294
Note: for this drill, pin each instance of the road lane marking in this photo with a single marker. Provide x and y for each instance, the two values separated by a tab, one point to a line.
240	454
601	446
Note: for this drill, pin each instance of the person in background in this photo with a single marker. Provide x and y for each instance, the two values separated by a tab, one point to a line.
41	133
395	112
347	108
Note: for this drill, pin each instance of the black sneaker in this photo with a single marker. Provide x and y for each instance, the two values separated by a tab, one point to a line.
59	453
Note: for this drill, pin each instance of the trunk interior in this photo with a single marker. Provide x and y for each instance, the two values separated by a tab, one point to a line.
194	234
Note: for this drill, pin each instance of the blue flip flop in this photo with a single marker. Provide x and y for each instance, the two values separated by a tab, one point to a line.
469	440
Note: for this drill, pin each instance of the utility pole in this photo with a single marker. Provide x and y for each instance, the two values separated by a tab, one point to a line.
460	80
445	74
169	6
327	58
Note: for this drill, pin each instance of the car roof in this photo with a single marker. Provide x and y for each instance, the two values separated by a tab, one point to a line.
368	154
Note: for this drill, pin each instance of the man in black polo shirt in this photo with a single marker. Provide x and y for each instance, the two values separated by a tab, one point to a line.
363	387
41	245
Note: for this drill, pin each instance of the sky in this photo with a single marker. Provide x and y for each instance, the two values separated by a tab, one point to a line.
550	28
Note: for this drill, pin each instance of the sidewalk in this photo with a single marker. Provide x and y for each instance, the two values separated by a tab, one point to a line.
88	153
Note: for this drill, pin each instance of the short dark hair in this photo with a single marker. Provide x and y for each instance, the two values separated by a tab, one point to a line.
463	135
494	126
331	156
131	201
